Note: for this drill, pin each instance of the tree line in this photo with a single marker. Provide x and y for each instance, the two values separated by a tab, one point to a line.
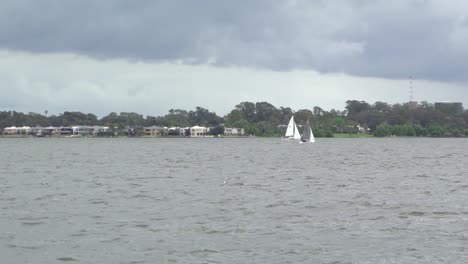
264	119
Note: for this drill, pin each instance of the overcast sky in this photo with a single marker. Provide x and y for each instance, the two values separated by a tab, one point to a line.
151	56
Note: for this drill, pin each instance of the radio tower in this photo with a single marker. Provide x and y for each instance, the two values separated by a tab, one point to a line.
411	98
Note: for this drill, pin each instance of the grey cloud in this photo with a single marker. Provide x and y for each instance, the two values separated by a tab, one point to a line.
65	82
390	39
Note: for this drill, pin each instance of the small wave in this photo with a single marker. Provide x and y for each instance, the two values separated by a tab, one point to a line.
422	176
412	213
110	240
377	218
274	205
141	196
211	232
32	218
237	184
445	213
40	198
32	223
97	201
23	247
203	252
66	259
78	235
31	247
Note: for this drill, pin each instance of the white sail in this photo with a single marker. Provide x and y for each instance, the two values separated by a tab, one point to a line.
312	138
307	135
290	130
296	135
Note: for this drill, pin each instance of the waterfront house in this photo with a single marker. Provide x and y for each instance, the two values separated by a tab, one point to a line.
100	130
232	131
199	131
154	131
82	130
66	131
45	131
50	130
37	131
10	131
133	131
176	131
25	130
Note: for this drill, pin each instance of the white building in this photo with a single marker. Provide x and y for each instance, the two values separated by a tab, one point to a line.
25	130
100	129
82	130
176	131
232	131
363	130
10	130
198	131
37	130
89	130
154	131
50	130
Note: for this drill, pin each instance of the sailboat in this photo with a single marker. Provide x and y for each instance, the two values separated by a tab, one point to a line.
307	134
292	132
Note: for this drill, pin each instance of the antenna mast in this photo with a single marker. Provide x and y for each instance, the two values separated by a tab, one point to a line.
411	97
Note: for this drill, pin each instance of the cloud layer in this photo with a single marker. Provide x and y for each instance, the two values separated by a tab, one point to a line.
66	82
387	39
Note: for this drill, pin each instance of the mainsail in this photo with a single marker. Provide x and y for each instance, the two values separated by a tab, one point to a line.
307	135
292	131
297	135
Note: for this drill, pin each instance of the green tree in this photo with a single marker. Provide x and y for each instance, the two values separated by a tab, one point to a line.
302	115
265	111
435	130
203	117
383	130
248	111
218	130
177	118
234	116
420	131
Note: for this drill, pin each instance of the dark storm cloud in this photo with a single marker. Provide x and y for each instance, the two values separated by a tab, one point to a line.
390	39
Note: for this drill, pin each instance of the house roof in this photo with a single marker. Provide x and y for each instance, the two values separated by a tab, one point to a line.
155	127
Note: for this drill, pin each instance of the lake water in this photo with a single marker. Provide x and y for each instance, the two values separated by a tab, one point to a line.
85	200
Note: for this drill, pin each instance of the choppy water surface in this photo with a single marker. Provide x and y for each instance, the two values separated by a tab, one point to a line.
233	201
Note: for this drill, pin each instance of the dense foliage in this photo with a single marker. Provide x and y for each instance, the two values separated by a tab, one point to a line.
264	119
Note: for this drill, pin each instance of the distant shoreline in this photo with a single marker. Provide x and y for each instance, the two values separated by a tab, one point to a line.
336	136
176	137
